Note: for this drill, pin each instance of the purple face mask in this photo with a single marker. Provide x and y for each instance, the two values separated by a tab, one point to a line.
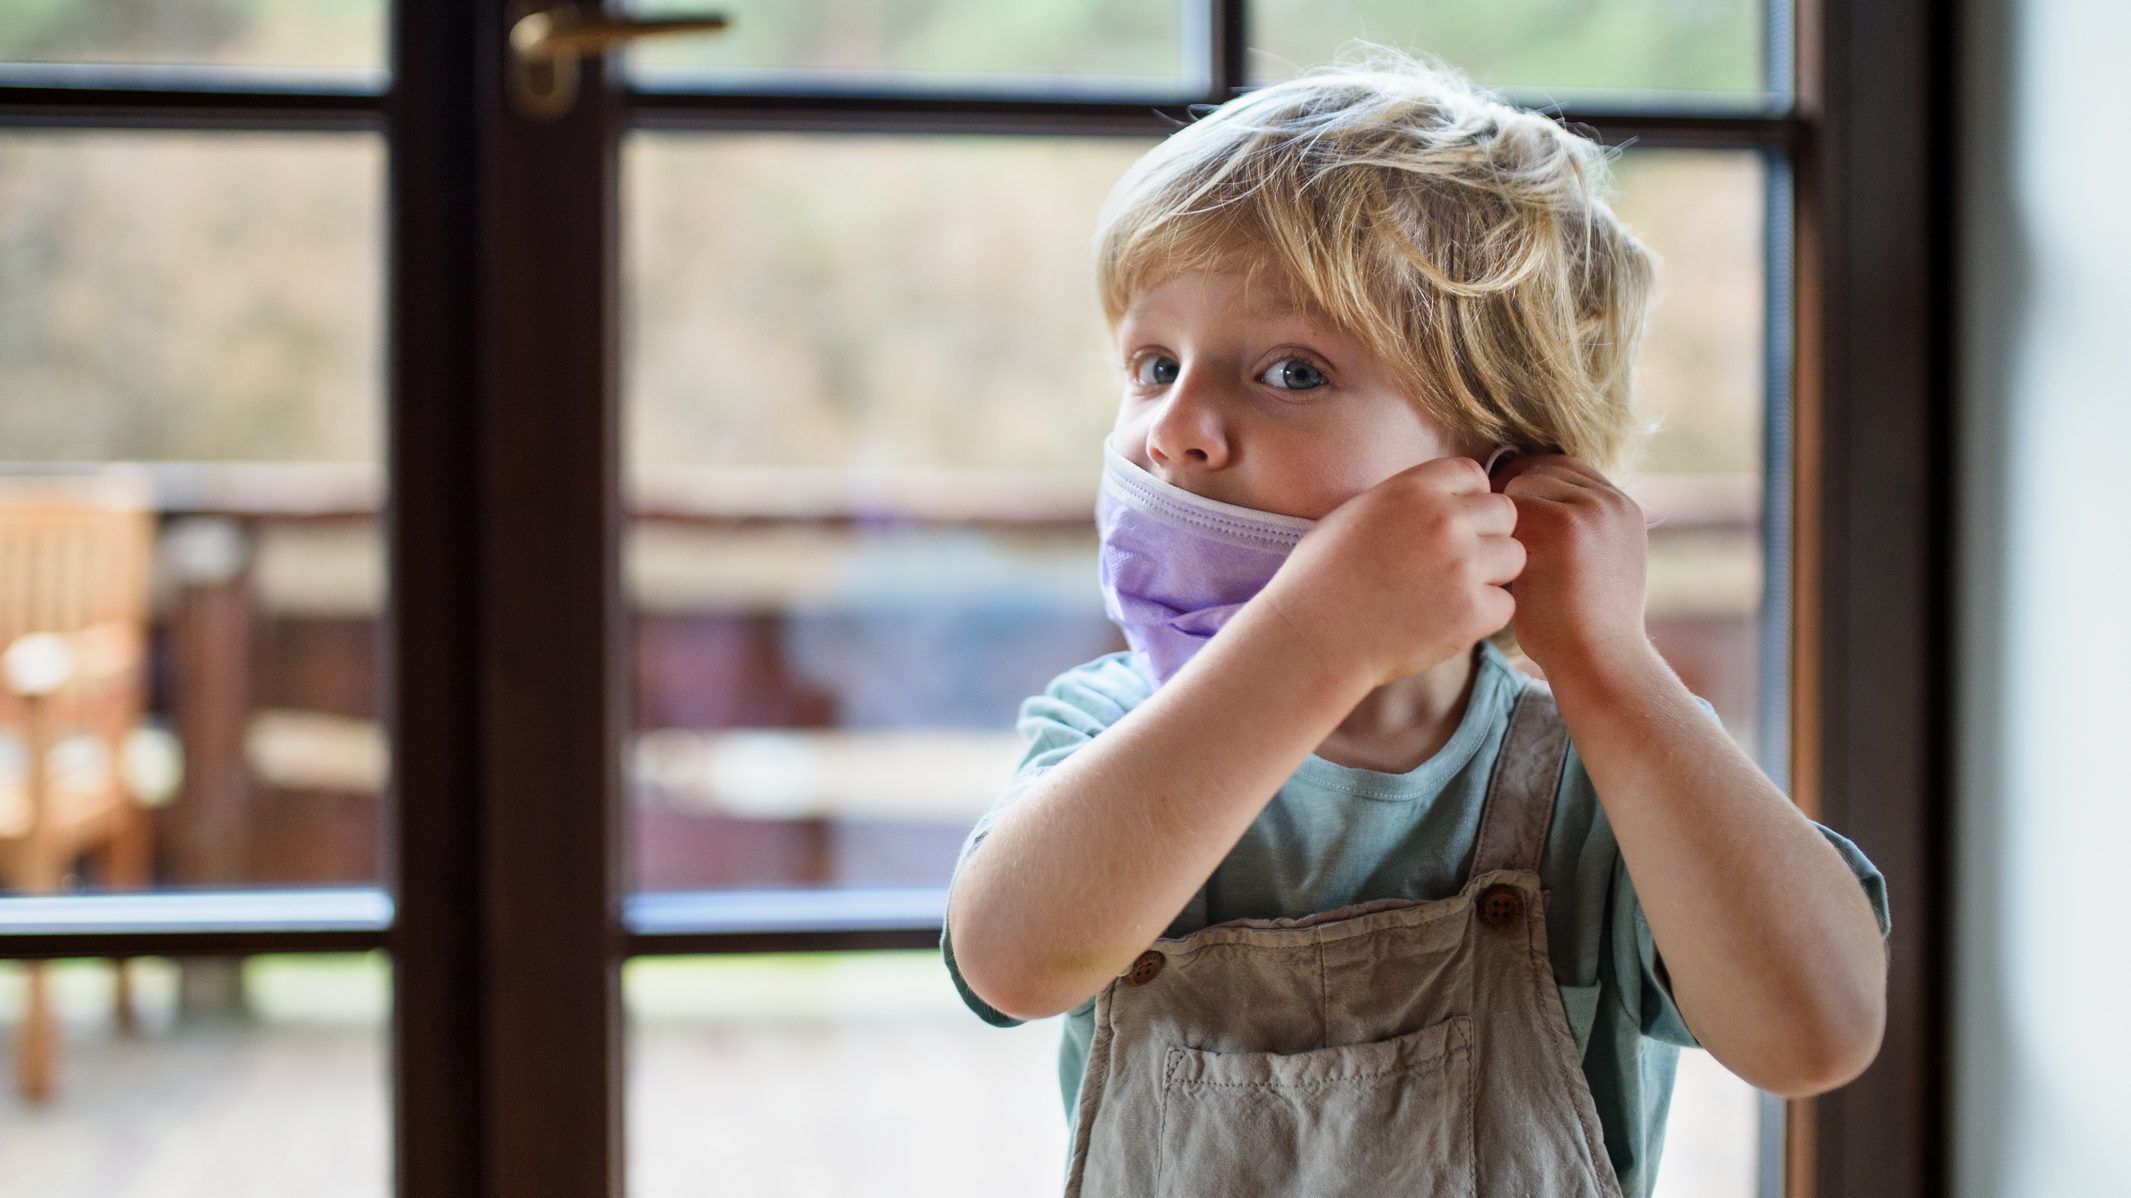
1176	566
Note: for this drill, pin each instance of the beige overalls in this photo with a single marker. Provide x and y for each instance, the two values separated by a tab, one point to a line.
1388	1048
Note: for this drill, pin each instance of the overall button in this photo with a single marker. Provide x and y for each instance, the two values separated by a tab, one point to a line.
1144	968
1501	905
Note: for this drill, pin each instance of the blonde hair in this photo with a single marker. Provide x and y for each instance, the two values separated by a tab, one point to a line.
1462	240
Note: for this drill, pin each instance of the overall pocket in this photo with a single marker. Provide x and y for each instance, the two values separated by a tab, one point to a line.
1389	1117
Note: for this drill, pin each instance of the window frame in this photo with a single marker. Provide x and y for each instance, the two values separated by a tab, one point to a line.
504	907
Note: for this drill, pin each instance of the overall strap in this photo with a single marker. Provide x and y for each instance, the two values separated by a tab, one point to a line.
1520	797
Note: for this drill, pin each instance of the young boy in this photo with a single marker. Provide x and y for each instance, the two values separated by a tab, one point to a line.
1338	901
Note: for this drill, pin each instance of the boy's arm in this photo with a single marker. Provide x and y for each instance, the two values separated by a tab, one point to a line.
1095	859
1772	948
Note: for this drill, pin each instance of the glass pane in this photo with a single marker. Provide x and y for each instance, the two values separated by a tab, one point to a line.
190	344
931	43
247	33
1700	478
217	1054
1713	1138
1553	47
871	1045
862	442
859	472
1700	483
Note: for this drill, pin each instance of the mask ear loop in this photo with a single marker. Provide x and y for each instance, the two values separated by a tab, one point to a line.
1501	453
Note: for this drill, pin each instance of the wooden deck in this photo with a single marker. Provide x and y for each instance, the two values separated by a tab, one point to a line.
740	1073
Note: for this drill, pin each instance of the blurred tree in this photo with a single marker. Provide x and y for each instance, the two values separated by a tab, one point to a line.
842	302
308	33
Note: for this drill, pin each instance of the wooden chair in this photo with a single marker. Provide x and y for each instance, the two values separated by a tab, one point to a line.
75	559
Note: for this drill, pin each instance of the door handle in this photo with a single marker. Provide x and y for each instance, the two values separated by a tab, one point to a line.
546	43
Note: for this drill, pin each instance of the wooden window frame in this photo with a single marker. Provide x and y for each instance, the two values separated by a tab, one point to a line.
504	909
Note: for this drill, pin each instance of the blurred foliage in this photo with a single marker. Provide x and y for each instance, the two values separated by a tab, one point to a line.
1561	45
935	40
838	301
942	314
1700	376
778	315
301	33
174	296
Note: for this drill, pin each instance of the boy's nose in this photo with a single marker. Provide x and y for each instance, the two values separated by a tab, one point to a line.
1174	458
1188	431
1193	455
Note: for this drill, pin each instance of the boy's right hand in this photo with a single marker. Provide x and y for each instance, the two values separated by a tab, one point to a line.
1404	574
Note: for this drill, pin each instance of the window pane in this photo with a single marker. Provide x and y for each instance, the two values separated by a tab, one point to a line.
931	43
1701	379
251	33
1550	46
175	1107
862	435
191	321
1700	482
860	471
873	1045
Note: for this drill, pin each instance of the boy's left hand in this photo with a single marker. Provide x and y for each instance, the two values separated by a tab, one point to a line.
1580	595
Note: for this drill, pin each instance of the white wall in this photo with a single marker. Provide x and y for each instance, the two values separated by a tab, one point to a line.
2042	1006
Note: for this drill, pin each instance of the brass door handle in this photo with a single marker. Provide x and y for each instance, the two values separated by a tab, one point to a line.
546	43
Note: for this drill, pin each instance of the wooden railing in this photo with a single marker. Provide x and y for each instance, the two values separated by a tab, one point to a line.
774	613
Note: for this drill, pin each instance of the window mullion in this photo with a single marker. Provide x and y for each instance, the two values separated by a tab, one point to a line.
546	573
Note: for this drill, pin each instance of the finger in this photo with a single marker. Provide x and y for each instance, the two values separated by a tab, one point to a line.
1493	514
1461	475
1547	485
1499	606
1453	474
1530	506
1499	559
1577	466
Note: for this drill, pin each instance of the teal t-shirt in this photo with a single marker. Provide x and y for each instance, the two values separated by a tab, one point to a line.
1335	835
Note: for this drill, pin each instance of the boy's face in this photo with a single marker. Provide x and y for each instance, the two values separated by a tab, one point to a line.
1256	405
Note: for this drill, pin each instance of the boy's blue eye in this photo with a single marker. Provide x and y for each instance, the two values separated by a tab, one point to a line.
1164	372
1294	374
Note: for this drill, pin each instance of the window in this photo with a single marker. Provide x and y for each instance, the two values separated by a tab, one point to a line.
585	469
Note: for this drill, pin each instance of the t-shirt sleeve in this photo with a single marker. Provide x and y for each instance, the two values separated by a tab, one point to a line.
1637	961
1073	708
